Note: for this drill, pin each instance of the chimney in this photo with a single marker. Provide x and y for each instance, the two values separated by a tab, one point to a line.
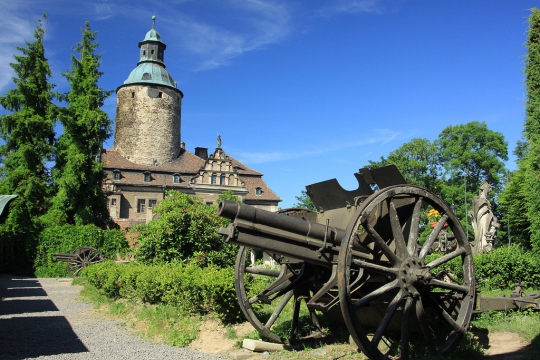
201	152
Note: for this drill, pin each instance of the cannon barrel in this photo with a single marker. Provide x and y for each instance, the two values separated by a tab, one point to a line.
233	210
279	233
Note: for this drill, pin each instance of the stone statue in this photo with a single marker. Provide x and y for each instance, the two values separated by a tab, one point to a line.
219	141
485	224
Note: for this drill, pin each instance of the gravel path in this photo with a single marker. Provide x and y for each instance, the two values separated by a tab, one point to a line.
42	318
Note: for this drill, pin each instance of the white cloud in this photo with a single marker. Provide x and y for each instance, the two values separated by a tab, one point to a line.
348	7
382	136
16	30
104	10
250	25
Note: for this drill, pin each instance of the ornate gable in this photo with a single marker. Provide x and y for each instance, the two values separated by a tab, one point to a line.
218	170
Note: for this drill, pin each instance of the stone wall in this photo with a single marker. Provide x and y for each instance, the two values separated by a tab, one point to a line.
148	123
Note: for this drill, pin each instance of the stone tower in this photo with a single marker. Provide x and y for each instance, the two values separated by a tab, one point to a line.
148	108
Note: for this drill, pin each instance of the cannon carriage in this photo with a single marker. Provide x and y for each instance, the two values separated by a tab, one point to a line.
359	260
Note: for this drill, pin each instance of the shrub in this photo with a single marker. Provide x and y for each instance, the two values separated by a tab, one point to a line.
500	268
505	266
186	286
67	238
184	228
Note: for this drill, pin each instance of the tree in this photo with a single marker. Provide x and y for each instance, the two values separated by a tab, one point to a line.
513	206
304	202
228	195
28	135
470	154
531	163
78	174
418	161
185	228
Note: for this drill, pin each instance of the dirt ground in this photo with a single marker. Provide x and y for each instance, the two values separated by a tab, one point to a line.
503	345
212	338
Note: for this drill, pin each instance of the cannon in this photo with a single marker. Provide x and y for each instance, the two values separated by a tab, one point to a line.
359	260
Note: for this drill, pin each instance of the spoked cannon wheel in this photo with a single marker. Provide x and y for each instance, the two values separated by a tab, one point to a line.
270	298
82	257
398	294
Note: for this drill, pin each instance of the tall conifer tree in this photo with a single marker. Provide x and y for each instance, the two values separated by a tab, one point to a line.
29	136
531	163
78	174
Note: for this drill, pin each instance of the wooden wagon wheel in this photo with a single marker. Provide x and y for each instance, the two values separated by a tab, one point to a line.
82	257
270	299
399	288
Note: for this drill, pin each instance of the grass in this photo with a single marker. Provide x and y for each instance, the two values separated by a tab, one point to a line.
525	323
167	324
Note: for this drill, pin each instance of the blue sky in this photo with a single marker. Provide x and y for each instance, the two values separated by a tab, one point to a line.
304	91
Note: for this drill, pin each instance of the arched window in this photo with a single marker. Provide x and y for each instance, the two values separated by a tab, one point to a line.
213	179
116	175
258	191
222	180
176	178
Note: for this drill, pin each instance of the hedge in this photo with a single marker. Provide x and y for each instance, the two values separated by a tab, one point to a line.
187	286
67	238
501	268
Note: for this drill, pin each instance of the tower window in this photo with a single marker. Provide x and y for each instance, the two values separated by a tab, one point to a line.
133	95
152	52
144	52
160	95
147	76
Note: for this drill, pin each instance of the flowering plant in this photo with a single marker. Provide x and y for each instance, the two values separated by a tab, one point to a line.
433	215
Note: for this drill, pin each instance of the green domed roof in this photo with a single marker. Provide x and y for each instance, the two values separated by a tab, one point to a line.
151	73
151	66
152	35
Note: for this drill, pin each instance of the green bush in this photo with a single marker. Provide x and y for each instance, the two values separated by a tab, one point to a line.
500	268
67	238
185	228
505	266
187	286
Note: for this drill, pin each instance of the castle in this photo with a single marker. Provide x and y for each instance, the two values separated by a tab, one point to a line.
148	156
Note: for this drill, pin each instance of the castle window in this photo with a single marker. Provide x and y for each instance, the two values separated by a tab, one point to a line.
152	203
222	180
141	205
144	52
176	178
147	177
214	179
147	76
160	95
116	175
113	202
258	191
133	95
152	52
